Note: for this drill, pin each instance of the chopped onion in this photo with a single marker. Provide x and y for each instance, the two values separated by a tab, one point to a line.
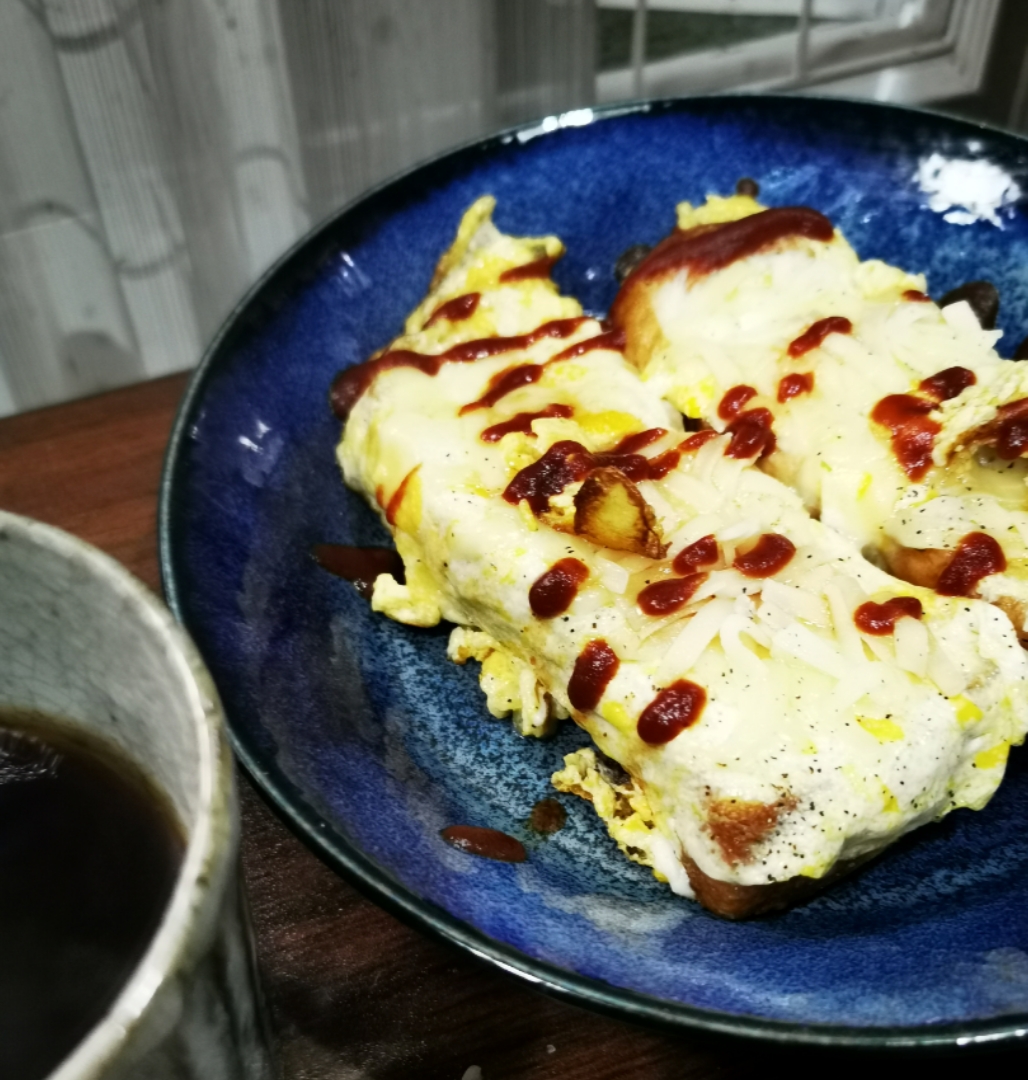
685	650
843	606
708	456
803	644
613	576
799	602
946	674
911	639
738	531
737	652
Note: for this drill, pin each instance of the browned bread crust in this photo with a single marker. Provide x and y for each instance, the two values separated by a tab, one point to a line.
732	901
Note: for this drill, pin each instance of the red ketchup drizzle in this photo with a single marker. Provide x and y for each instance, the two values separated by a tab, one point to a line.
564	463
350	383
487	843
694	442
503	383
977	556
523	422
455	310
675	708
632	444
553	592
880	619
793	385
662	464
702	552
917	297
913	430
668	596
596	665
393	507
712	247
359	565
813	336
771	554
539	268
733	401
948	383
609	339
1012	436
752	434
567	462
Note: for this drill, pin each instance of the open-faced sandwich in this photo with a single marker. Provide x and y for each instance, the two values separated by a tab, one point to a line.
769	708
894	418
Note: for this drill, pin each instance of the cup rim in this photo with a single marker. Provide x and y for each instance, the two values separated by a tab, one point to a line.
214	816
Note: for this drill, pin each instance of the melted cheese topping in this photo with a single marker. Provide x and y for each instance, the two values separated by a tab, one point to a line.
816	742
734	326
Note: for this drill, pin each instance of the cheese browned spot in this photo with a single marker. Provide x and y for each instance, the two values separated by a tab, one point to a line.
738	826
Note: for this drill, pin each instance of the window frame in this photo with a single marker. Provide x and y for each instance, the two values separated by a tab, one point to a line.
928	61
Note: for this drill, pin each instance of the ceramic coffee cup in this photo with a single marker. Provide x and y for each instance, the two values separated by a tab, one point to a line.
82	640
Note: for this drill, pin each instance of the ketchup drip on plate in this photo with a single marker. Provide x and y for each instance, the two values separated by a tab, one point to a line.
814	336
771	554
538	268
793	385
702	552
948	383
456	310
596	665
977	556
880	619
486	843
675	708
732	403
523	422
351	382
913	431
359	565
554	591
668	596
752	434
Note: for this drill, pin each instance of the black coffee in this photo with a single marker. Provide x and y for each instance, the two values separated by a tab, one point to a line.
89	853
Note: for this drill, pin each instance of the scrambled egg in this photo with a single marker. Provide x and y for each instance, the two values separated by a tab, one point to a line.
813	743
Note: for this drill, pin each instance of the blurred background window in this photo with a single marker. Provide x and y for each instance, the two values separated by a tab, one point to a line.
157	155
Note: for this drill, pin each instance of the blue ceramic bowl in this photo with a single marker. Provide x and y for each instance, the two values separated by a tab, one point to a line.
370	741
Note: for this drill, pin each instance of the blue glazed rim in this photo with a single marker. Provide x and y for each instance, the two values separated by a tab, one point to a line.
282	280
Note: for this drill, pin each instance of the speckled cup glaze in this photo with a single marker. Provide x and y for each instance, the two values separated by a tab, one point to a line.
82	640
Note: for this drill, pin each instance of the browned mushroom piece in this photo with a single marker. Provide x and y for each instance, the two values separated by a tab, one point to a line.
747	186
629	259
983	297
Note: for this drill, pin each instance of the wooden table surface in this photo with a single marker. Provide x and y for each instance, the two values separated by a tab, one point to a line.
352	992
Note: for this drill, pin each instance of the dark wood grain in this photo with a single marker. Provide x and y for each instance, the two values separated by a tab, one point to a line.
352	992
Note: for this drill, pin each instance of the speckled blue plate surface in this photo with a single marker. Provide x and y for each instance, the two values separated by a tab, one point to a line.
370	741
